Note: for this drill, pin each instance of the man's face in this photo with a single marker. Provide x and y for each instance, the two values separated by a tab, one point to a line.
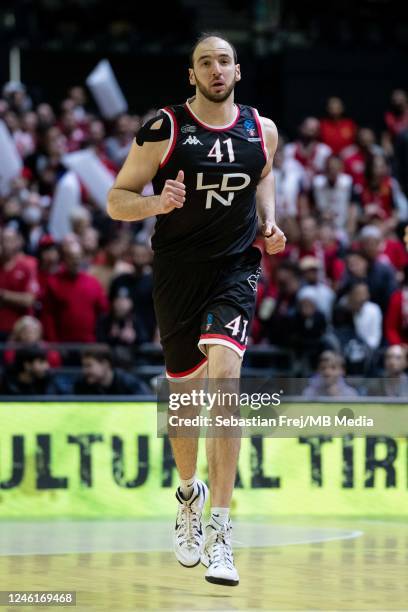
398	99
39	368
94	371
307	308
358	296
73	258
365	138
31	332
395	360
214	71
335	107
330	370
141	256
309	130
78	95
11	243
380	166
50	257
357	265
370	246
308	229
287	282
311	275
333	168
96	132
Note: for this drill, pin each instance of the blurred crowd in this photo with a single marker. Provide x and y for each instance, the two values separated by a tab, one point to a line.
340	289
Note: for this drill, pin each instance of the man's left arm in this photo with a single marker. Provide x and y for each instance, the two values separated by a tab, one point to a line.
275	239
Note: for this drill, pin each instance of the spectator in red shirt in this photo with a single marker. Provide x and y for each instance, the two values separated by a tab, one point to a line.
48	262
279	325
73	132
96	140
355	156
337	131
395	138
377	193
307	150
27	333
18	280
110	261
74	301
396	119
319	242
396	318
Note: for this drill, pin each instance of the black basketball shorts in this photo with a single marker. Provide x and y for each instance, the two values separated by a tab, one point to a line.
198	304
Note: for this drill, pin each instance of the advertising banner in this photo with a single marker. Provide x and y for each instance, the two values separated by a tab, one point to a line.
106	460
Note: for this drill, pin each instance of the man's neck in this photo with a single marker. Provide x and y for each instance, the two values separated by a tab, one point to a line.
214	113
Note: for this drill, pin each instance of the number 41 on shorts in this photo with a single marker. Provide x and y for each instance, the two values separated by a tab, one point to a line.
235	326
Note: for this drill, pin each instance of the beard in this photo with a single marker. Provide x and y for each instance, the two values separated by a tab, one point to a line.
214	97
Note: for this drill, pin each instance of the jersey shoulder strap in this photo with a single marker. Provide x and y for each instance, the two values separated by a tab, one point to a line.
149	132
166	119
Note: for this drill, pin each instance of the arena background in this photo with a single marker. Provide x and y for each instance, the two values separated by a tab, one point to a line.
86	486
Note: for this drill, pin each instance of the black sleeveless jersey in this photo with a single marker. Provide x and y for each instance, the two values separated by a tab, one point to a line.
222	167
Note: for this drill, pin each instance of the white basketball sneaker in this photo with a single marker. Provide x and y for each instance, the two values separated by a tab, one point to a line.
218	557
188	537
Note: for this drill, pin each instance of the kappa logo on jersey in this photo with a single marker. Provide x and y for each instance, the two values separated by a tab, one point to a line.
193	140
188	129
223	186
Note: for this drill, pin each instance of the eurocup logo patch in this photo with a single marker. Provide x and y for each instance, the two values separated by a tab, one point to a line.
210	321
249	125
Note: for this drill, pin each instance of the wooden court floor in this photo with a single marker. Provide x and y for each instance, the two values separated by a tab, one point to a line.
307	564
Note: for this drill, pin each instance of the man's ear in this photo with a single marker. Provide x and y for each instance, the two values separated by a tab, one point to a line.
191	76
237	72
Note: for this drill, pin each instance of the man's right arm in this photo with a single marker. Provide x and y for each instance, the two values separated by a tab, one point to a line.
125	202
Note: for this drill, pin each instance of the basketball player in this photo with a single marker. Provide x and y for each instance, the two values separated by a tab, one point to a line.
210	161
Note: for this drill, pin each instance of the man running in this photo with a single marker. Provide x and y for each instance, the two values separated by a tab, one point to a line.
210	162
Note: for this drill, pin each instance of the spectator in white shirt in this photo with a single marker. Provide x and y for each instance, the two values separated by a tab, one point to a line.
357	317
332	195
304	158
310	268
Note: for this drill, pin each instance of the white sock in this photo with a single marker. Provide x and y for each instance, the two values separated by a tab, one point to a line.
187	487
219	516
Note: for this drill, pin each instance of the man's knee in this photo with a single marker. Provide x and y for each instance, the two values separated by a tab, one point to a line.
223	362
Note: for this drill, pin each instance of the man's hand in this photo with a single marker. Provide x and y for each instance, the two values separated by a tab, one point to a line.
173	194
275	239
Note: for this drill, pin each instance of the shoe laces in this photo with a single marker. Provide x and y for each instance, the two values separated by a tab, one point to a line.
220	546
189	523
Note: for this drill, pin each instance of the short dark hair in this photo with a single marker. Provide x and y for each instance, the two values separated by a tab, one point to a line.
204	36
99	353
28	354
356	251
330	355
357	282
289	266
